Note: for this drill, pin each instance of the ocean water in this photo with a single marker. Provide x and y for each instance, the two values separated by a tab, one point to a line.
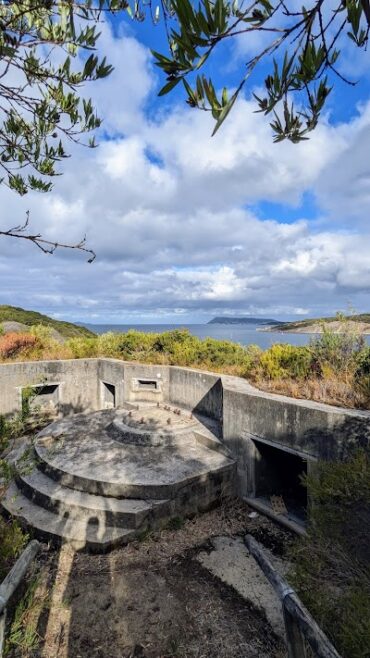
238	333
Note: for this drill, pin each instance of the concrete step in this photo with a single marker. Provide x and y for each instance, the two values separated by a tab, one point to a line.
100	466
64	527
211	441
55	497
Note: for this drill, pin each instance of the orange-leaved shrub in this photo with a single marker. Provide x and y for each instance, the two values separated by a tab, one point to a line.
13	344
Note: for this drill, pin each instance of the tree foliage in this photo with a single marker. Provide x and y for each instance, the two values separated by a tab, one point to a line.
301	46
47	50
47	54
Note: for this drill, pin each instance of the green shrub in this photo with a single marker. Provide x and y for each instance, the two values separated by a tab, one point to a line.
363	363
222	352
12	542
83	348
108	344
332	564
282	361
43	333
125	346
168	341
185	354
338	352
134	343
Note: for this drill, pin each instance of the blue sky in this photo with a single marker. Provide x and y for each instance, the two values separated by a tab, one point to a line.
187	226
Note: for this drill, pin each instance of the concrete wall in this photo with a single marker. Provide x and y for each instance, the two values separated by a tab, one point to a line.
77	379
308	429
196	390
111	371
136	391
246	415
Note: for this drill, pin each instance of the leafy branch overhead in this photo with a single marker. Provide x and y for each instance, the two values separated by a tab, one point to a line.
40	76
302	47
47	50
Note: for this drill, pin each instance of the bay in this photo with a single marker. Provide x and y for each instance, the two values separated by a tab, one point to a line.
238	333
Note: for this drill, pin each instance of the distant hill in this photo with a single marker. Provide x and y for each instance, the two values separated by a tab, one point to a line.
224	319
11	316
338	324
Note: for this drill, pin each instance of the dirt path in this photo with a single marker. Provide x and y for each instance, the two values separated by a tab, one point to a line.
154	599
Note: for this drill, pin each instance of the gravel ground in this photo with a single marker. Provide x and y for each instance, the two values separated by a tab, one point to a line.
157	598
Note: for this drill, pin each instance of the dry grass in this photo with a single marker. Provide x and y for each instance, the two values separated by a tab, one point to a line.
274	370
334	391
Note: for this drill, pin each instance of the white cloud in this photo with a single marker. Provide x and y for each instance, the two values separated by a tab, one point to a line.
165	206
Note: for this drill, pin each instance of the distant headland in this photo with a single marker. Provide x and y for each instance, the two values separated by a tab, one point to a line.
225	319
338	324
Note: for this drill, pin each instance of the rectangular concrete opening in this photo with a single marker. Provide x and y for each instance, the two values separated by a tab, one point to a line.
278	481
109	395
43	396
148	384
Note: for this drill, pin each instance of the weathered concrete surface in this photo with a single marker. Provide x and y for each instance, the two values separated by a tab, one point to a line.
88	484
79	452
111	371
196	390
77	379
138	378
231	562
308	429
121	512
81	534
237	413
318	430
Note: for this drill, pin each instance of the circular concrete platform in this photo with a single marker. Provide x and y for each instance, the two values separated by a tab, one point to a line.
153	426
102	478
80	452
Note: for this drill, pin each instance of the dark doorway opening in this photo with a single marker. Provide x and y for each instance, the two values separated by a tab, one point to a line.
109	395
43	396
278	481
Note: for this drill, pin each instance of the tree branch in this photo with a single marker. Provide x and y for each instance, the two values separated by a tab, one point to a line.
366	7
46	246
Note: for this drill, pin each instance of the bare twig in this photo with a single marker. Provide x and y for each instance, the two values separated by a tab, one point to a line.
46	246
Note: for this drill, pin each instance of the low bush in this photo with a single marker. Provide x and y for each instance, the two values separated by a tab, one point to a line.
220	353
336	353
333	368
82	348
363	363
16	344
282	361
131	345
332	564
12	542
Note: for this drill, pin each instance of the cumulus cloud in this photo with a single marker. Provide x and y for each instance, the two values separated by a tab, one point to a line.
171	213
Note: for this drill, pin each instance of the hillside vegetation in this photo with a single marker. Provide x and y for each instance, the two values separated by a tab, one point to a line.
333	368
338	324
33	318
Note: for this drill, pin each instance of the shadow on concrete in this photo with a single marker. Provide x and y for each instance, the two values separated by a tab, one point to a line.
67	628
209	410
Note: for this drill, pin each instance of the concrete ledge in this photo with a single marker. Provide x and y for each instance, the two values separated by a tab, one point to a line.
243	414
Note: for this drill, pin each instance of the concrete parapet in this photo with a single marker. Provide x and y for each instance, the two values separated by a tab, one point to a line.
251	423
